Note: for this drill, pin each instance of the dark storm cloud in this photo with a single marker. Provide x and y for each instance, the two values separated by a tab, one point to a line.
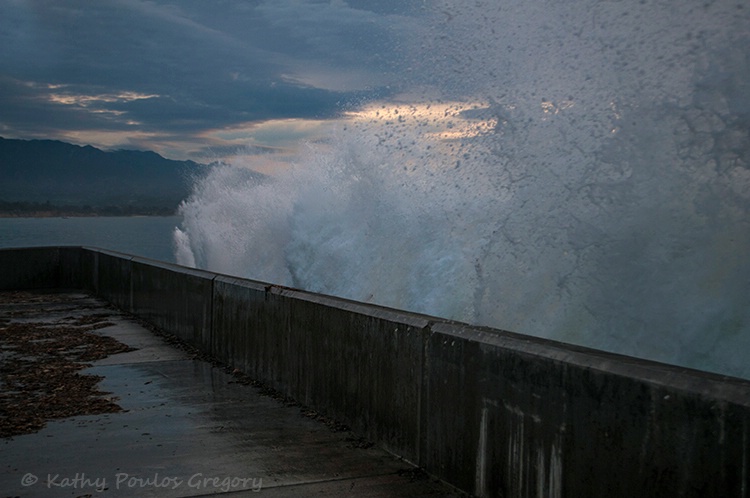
189	66
28	110
225	104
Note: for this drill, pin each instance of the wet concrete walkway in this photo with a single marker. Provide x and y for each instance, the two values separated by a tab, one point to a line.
188	429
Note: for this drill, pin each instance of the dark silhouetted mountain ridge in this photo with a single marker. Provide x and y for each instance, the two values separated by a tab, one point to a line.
60	175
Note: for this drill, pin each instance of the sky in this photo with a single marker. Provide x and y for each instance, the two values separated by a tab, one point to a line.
193	79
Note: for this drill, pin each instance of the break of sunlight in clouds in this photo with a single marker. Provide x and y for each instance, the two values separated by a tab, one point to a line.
166	145
36	84
435	120
283	134
84	100
109	139
266	147
280	140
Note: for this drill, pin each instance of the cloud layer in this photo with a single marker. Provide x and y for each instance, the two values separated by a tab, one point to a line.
169	76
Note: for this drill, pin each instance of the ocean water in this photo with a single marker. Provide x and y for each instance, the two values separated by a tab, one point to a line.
149	236
572	170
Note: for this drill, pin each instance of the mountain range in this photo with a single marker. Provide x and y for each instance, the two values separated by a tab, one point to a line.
53	177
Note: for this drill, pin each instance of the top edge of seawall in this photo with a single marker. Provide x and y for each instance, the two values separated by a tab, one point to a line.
710	384
412	319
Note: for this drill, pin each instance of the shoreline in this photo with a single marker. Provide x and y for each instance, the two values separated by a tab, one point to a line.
50	214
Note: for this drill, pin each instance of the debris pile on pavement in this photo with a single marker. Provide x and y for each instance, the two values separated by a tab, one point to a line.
40	365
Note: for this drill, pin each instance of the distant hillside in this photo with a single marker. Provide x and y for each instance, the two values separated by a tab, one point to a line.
48	175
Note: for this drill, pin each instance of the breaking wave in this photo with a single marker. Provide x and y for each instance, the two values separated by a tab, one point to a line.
582	174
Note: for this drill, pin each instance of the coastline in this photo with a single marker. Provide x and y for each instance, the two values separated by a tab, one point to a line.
62	214
49	210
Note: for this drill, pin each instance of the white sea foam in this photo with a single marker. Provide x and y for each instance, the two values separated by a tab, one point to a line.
584	176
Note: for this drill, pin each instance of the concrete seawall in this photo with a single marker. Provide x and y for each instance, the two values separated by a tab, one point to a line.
491	412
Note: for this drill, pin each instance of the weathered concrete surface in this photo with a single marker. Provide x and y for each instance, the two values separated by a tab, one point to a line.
77	268
29	268
173	298
359	363
112	279
514	416
191	430
64	267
